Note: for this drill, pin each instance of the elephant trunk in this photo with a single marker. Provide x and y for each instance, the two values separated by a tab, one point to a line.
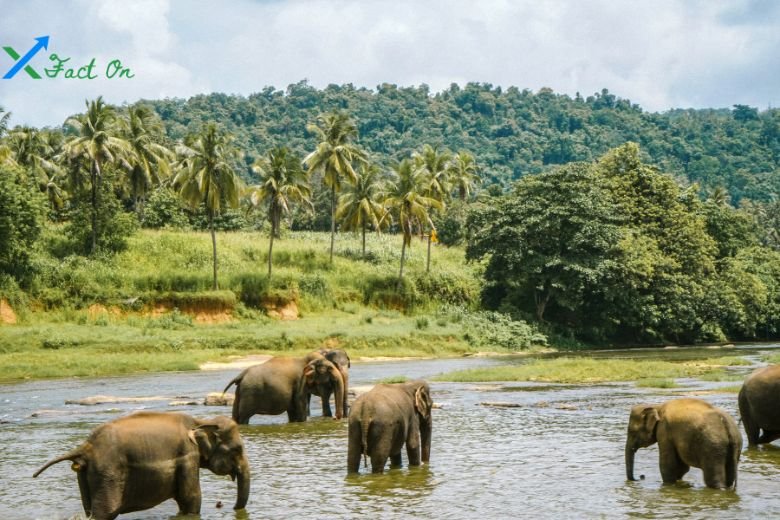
630	451
340	392
426	427
243	480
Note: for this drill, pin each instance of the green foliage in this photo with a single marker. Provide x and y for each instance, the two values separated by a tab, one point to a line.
389	292
21	219
511	132
164	209
488	330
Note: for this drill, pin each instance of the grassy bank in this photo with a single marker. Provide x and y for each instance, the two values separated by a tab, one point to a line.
586	370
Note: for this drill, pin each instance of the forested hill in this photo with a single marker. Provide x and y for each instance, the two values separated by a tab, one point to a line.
512	132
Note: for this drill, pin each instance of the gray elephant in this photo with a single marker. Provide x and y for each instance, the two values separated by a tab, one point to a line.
759	405
324	391
387	417
138	461
284	384
689	432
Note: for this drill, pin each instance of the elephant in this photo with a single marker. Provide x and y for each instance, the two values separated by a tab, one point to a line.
387	417
284	384
342	362
759	405
689	432
138	461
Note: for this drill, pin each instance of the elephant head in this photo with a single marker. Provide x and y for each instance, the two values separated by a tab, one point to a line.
222	452
642	426
322	372
423	403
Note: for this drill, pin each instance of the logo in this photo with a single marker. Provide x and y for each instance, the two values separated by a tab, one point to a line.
60	69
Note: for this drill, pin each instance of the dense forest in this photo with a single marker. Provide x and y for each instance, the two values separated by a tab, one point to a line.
587	216
511	132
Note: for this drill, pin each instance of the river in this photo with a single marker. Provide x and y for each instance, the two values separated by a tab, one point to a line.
556	453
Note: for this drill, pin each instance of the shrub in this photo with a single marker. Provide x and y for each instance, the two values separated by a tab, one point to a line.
447	288
164	209
384	291
21	216
493	330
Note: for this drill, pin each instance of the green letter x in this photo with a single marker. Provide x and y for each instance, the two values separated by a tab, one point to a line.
15	55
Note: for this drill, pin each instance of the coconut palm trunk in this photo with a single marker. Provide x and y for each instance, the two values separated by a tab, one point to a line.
95	194
428	260
401	272
332	220
364	240
213	248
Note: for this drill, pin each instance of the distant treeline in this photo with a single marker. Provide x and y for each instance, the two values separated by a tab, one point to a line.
511	132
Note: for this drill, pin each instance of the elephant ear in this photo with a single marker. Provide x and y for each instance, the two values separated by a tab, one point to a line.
650	419
423	401
204	436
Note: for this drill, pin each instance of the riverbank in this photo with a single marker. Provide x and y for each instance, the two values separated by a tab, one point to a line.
46	348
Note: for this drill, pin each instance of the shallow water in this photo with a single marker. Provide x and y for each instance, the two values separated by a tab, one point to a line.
557	452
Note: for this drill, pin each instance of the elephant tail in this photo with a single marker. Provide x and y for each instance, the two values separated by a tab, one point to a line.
235	381
75	456
365	425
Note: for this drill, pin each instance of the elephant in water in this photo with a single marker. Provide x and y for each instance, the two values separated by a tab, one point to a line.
138	461
759	405
689	432
325	388
285	384
387	417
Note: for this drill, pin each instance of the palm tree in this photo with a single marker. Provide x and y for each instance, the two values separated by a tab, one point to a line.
149	163
405	196
464	174
334	157
95	144
6	156
361	205
206	176
435	167
282	182
34	151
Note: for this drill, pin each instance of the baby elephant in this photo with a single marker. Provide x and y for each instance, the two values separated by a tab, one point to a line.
138	461
689	432
387	417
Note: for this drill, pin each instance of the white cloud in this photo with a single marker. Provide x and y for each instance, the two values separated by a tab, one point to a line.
660	54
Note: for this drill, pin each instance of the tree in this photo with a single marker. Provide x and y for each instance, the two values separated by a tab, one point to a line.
334	157
282	182
552	240
405	197
463	172
96	143
206	176
20	224
361	203
435	167
149	162
36	152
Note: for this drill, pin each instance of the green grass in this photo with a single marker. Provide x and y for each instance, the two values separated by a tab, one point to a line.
394	379
772	358
587	370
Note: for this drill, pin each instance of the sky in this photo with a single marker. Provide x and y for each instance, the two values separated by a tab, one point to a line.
661	54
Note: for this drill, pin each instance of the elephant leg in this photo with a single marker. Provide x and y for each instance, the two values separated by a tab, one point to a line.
188	496
752	429
395	460
354	449
672	467
86	495
714	471
378	461
107	502
413	447
326	411
294	415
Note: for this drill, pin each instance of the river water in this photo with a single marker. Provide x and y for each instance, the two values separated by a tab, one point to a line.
556	453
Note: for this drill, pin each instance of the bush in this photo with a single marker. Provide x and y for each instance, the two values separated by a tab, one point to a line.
176	282
447	288
493	330
212	300
383	291
164	209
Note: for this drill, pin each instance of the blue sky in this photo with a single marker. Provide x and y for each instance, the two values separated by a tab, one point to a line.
661	54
